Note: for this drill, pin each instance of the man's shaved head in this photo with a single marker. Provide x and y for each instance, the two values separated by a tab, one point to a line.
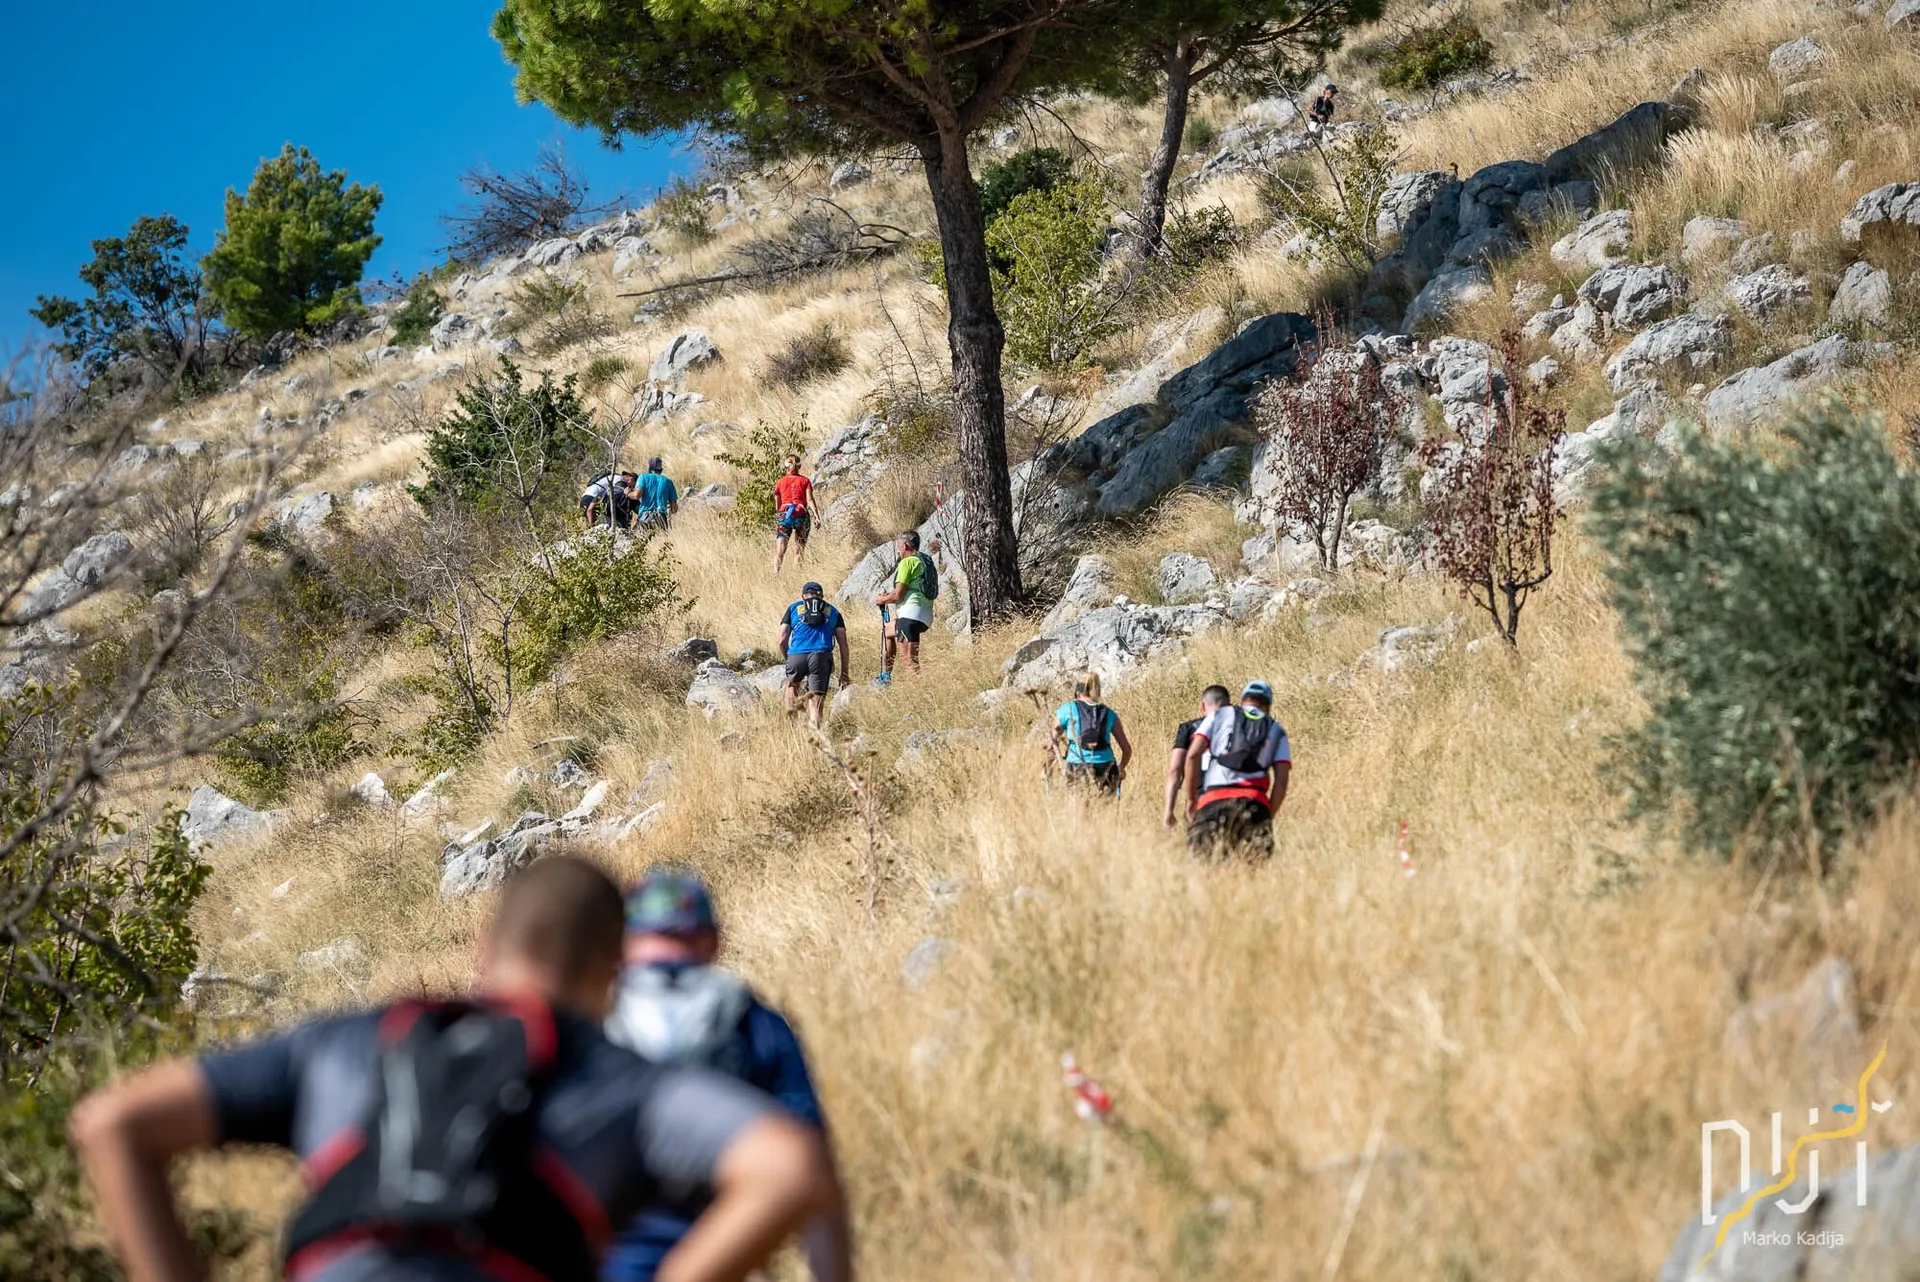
561	915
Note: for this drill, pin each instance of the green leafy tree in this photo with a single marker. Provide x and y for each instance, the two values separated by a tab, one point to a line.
825	77
146	306
1768	590
1246	47
508	446
763	461
1032	169
294	247
1048	248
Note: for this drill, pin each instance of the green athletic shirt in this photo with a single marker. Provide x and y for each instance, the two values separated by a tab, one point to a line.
915	605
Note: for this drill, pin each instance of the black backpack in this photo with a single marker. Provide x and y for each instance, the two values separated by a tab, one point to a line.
813	611
929	577
447	1159
1092	738
1245	742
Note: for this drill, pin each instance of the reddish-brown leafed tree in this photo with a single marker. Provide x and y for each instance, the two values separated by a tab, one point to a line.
1490	500
1324	438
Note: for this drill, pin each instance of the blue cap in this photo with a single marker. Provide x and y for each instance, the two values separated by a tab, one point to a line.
670	901
1260	688
810	588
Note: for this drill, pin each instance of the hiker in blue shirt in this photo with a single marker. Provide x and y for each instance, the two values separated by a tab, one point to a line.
655	498
673	1006
1087	730
808	632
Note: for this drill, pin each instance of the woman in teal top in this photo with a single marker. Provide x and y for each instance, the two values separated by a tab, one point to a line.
1085	732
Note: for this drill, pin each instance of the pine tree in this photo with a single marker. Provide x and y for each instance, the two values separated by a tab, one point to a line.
294	247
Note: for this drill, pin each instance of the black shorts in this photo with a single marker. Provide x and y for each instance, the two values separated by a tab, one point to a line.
799	527
815	667
1101	777
1232	826
909	630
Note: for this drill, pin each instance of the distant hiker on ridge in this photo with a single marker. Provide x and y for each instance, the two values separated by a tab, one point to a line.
809	631
793	513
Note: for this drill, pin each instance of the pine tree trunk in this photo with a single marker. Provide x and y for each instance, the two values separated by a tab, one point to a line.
1159	172
974	340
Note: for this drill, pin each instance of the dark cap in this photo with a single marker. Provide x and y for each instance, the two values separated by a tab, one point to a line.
810	588
654	464
670	901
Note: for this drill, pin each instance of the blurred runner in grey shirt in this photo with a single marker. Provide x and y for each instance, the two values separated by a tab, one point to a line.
609	1131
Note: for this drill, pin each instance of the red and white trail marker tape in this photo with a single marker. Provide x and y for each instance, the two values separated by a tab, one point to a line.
1406	849
1090	1099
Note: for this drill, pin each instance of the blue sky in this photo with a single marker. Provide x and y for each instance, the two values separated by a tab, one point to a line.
110	109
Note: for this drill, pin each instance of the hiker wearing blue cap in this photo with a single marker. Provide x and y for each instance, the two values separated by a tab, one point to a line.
674	1006
808	632
1237	767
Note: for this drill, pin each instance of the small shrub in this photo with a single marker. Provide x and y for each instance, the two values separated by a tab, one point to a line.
1489	498
597	586
1048	286
1426	58
602	370
454	730
1324	437
506	443
682	208
1342	221
1035	169
1195	238
763	461
819	352
1200	134
308	736
555	312
412	322
1768	590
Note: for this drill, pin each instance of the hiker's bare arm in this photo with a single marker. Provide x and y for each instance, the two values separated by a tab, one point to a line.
829	1238
128	1135
1277	790
890	596
773	1176
846	655
1126	748
1176	777
1196	752
786	635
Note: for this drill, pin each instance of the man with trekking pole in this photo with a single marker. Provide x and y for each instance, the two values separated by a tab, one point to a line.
916	585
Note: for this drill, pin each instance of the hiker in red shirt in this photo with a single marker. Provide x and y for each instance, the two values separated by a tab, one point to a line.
793	513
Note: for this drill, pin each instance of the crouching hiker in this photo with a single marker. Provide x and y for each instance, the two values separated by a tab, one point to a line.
809	630
1084	733
1237	768
674	1006
455	1141
1212	699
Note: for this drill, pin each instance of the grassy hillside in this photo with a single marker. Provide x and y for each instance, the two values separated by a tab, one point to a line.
1494	1069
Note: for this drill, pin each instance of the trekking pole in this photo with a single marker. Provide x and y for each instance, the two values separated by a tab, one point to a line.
885	677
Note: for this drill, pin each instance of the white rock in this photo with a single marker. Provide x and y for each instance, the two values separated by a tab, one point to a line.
1685	343
1600	241
212	818
689	350
427	798
1184	576
372	789
1796	58
1762	293
589	804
